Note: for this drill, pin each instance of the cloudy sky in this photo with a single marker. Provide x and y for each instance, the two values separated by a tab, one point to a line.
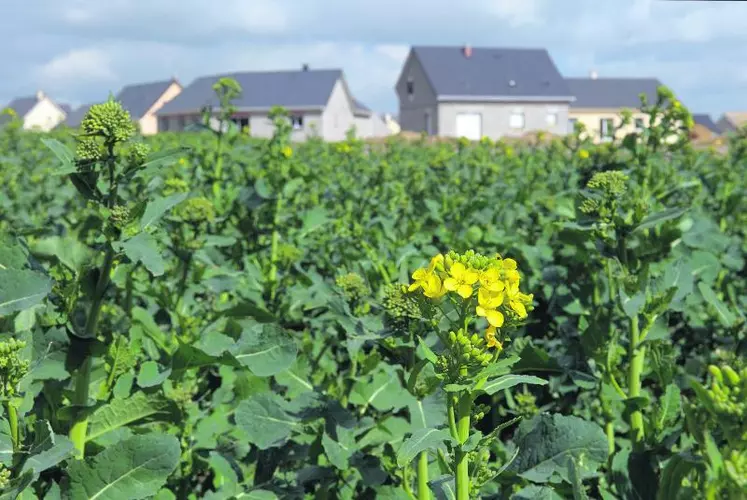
80	50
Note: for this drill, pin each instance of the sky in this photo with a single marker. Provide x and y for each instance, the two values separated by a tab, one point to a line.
79	51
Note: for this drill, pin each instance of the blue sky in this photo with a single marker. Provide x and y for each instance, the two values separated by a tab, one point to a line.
80	50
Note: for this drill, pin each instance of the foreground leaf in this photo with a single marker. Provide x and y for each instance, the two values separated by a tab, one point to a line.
508	381
422	440
265	349
21	289
134	468
264	420
123	412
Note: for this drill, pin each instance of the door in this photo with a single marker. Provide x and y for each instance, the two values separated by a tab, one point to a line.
469	125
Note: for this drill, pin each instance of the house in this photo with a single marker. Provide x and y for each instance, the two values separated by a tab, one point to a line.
319	103
144	100
392	123
599	102
704	128
368	123
475	92
732	120
38	112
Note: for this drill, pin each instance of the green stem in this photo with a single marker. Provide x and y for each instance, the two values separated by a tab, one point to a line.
637	355
13	424
610	285
79	426
406	482
464	410
424	492
609	430
273	277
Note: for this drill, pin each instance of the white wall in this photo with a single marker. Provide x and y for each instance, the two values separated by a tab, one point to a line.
44	116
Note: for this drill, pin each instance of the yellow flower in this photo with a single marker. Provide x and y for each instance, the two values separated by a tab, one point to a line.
428	280
287	151
518	301
461	280
583	154
510	273
491	340
433	287
490	280
488	304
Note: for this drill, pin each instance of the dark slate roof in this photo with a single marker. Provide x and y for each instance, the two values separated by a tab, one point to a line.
359	105
261	90
66	108
489	72
612	92
138	98
707	122
22	105
74	118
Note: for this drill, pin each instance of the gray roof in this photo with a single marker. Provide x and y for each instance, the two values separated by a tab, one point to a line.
261	90
706	121
493	73
22	105
138	98
612	92
74	118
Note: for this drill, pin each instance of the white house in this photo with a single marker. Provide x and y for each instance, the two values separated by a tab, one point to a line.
38	112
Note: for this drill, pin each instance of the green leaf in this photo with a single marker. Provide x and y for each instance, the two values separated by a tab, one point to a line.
264	420
21	289
659	217
339	452
12	253
143	248
508	381
724	315
428	412
123	412
48	449
444	488
263	188
678	467
134	468
266	349
313	220
159	159
427	352
384	392
158	207
68	250
669	408
257	495
422	440
150	375
63	153
535	492
548	443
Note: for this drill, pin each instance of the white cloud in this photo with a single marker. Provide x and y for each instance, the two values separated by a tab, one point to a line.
78	65
516	12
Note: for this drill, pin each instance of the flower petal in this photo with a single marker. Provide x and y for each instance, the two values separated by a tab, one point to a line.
465	291
451	284
519	308
471	277
495	318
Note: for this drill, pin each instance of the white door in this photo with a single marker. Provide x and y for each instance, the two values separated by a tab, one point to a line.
469	125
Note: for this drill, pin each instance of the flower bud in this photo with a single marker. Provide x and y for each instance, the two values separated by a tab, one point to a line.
716	373
732	377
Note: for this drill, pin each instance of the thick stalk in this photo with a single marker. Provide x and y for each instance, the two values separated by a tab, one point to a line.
10	410
273	277
83	378
464	410
424	492
637	355
609	430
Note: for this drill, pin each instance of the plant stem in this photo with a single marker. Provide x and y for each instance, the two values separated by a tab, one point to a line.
83	378
609	430
406	481
637	355
464	410
12	413
273	276
424	492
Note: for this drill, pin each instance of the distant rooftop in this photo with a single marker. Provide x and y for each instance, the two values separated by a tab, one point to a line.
612	92
139	98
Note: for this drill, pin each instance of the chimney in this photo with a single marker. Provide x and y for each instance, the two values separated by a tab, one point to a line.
305	67
39	95
467	50
593	74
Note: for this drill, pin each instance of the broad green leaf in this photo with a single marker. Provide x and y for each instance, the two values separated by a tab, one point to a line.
676	469
724	315
257	495
63	153
158	207
339	452
384	392
443	488
143	248
659	217
133	469
48	449
264	420
535	492
149	327
150	375
508	381
265	349
313	220
12	254
159	159
123	412
668	408
428	412
68	250
422	440
21	289
427	352
547	444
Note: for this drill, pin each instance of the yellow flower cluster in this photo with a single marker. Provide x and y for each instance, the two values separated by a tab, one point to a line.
495	281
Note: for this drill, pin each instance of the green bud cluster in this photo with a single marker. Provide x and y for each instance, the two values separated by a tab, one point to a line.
175	185
289	254
735	466
398	303
12	367
612	183
353	286
479	411
468	350
139	152
197	210
109	120
471	259
526	404
4	477
480	472
728	392
120	216
88	149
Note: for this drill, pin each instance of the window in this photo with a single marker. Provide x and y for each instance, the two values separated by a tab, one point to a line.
410	88
605	128
469	126
552	119
639	123
297	122
164	125
516	121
